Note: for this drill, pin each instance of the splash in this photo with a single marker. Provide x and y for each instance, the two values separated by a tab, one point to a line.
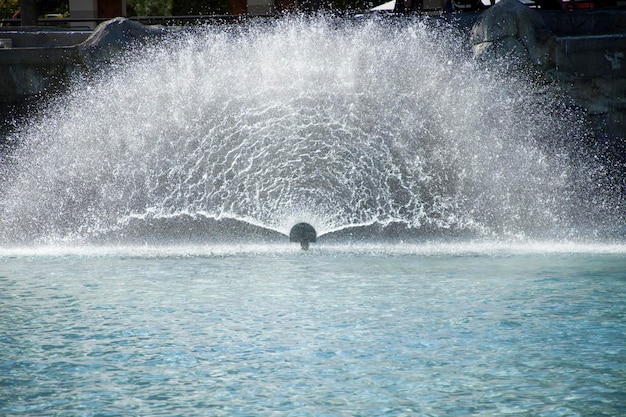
360	123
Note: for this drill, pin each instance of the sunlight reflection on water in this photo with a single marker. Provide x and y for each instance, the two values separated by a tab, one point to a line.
318	333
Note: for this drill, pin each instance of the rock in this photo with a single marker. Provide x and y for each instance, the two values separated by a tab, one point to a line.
512	31
112	37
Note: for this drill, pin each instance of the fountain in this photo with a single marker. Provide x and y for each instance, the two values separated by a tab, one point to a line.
362	129
145	219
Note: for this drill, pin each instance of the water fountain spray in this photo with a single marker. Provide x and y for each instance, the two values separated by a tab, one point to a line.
344	125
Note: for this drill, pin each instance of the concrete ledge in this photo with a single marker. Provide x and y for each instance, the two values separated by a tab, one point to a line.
44	39
592	56
27	72
593	71
586	22
39	56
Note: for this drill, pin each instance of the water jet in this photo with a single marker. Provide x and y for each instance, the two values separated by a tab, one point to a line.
309	119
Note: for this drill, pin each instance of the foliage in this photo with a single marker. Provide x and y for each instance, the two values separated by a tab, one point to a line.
206	7
175	7
195	7
181	7
337	6
8	7
53	6
149	7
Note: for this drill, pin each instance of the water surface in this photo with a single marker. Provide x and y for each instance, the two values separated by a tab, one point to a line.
432	329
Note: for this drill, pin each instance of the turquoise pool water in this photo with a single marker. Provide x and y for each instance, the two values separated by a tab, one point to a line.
245	330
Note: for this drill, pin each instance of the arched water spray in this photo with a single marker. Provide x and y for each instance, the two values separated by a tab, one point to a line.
338	125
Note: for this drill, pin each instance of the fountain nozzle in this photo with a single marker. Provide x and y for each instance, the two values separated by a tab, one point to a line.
303	233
